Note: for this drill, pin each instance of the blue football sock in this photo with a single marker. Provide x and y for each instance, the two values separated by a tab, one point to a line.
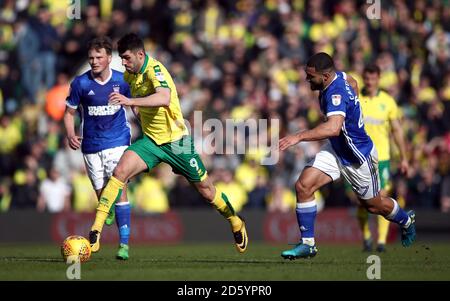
398	215
306	216
123	221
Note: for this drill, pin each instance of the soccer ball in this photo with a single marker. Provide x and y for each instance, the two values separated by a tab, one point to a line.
76	245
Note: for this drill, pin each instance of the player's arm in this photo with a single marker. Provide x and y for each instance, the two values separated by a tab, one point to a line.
399	140
159	99
353	83
331	128
69	124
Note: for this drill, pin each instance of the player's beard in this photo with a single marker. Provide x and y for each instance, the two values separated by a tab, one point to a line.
131	69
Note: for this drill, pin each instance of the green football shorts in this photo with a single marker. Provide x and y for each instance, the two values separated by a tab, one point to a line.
385	174
180	155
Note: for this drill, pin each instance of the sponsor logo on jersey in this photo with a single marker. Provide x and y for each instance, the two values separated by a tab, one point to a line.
103	110
374	121
91	93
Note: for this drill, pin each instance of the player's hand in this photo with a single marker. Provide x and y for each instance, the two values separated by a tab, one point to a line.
74	142
288	141
404	167
115	98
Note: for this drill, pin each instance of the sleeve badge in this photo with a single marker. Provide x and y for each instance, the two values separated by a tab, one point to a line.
159	76
336	99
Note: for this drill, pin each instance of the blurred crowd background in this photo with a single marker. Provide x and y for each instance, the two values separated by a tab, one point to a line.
232	60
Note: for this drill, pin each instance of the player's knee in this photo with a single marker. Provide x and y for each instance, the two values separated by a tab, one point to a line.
303	191
121	173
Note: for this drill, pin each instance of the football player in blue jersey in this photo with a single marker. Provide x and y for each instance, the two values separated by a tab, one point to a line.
349	152
105	131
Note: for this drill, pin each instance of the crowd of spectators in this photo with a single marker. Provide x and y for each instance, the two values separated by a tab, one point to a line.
233	61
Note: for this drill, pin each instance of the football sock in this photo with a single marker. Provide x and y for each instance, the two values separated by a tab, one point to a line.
363	219
306	215
383	228
223	205
111	193
398	215
123	221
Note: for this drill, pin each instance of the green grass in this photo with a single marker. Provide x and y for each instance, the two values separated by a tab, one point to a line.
429	261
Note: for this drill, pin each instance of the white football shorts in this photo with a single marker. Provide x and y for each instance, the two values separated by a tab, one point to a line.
364	179
100	166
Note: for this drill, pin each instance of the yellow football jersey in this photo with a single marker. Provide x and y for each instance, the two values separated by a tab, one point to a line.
378	111
162	124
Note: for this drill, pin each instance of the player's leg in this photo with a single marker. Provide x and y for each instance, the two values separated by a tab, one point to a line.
365	181
219	200
123	213
140	156
97	171
309	181
184	160
120	209
363	215
111	215
129	165
390	210
320	171
110	158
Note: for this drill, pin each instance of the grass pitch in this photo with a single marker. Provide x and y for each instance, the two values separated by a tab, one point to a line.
423	261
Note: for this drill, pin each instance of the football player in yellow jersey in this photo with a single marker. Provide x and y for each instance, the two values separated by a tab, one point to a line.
381	119
165	139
